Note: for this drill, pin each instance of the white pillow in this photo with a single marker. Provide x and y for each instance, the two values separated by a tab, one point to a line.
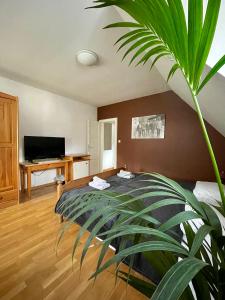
207	192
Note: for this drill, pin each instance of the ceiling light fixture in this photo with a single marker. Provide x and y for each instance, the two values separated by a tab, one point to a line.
87	58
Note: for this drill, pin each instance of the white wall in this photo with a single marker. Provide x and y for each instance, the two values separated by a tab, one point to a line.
46	114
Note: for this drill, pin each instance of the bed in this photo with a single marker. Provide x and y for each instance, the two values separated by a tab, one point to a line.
120	185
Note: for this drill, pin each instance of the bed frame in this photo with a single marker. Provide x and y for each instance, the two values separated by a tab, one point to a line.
78	183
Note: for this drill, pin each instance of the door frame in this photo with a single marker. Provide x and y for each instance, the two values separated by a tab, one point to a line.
114	142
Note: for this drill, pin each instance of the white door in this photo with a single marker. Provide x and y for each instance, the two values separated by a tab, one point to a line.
93	145
108	145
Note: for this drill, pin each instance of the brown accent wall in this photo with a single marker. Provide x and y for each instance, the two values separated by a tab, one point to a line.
181	155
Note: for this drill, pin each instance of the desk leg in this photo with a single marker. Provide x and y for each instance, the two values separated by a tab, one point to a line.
59	193
22	181
29	183
58	171
66	172
70	171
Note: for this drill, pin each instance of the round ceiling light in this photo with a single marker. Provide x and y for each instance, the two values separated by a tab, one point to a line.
87	58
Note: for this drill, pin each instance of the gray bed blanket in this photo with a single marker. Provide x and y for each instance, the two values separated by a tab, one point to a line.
120	186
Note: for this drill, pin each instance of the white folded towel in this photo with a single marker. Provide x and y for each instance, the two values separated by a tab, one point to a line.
99	185
98	179
126	176
125	172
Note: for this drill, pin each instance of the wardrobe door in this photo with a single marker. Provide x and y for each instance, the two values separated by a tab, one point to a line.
8	150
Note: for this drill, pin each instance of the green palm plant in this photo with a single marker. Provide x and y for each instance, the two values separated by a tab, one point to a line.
201	259
160	28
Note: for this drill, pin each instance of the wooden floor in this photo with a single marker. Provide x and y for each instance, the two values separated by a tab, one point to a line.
29	266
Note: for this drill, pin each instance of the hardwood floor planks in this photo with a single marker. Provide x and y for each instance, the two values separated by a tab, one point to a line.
30	268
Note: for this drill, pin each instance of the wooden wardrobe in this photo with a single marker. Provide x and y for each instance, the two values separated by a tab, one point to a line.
9	191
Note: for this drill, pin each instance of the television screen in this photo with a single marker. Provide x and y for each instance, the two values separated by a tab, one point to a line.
38	147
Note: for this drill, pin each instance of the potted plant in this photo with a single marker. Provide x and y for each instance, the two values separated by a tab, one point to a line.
194	268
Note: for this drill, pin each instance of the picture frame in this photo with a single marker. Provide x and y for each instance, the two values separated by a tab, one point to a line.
148	127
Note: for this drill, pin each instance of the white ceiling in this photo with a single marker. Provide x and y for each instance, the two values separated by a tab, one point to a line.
39	40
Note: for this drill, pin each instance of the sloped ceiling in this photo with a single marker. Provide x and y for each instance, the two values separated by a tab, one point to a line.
39	40
212	98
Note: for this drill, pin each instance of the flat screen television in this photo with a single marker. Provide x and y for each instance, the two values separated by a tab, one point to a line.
40	147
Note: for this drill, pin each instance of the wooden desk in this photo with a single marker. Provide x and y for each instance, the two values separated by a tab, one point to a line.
78	157
62	167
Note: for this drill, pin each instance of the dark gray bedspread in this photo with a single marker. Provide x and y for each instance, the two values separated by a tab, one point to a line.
120	185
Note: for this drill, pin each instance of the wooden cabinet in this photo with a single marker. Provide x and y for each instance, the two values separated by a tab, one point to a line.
9	193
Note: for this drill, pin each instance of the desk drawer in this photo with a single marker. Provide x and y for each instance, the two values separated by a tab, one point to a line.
8	198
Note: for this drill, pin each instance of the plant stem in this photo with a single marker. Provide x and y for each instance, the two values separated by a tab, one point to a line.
210	149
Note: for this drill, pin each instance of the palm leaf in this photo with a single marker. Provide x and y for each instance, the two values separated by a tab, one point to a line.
141	248
149	43
189	42
172	71
156	205
154	51
137	229
94	233
199	238
143	49
123	24
201	287
164	261
146	288
184	194
178	16
106	244
177	279
158	57
212	72
195	19
179	218
145	38
207	35
130	33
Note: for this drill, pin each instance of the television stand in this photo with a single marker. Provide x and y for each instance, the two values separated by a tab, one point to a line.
62	167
